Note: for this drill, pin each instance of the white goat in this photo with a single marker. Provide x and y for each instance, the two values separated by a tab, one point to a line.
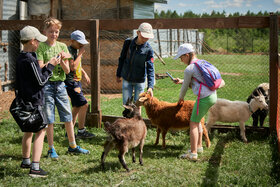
235	111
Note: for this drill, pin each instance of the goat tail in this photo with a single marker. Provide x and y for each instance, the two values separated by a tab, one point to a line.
205	132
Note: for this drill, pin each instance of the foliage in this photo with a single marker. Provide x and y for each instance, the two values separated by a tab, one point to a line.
241	40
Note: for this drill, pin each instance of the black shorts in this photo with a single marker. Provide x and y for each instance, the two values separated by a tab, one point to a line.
74	90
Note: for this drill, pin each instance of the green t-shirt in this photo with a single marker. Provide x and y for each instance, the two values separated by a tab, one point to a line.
46	52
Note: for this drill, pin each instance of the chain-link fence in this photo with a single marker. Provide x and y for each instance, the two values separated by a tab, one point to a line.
242	60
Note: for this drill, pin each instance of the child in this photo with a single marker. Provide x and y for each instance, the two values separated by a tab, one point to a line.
30	79
55	91
207	98
136	63
73	84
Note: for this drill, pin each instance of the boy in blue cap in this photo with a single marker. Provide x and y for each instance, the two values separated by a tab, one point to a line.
73	83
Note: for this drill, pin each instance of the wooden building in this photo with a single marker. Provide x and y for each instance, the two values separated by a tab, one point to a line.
110	42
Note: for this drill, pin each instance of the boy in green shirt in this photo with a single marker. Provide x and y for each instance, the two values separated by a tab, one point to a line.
55	91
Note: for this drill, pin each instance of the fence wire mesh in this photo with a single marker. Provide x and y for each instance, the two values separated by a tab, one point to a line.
241	57
239	54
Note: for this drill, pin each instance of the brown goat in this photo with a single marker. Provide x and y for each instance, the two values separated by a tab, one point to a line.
125	133
169	116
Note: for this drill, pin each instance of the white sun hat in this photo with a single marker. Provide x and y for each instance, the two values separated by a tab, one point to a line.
184	49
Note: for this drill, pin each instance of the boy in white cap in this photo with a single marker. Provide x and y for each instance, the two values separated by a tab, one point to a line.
136	63
73	83
30	80
208	98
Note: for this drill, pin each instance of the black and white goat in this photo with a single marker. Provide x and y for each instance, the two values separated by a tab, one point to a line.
260	115
126	133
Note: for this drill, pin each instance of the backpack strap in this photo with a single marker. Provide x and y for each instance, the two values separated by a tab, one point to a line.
200	85
198	98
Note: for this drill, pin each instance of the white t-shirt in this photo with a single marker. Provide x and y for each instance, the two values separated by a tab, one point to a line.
192	71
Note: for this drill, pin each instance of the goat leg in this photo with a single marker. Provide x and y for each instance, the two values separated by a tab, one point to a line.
122	161
262	117
163	138
206	137
158	134
242	131
107	147
141	152
255	117
133	155
123	149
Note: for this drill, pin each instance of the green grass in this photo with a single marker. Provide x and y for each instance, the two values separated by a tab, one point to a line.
228	162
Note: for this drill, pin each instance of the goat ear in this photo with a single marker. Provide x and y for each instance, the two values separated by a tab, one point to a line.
142	94
142	99
126	106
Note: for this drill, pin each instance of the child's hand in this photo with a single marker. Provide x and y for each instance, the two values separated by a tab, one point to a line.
180	102
82	50
178	81
87	78
55	60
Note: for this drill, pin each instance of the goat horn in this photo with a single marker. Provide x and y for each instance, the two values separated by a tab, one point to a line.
259	93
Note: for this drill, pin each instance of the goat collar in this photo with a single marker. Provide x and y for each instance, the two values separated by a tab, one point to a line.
249	106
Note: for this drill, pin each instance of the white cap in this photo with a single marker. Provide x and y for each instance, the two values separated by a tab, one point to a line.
184	49
29	33
146	30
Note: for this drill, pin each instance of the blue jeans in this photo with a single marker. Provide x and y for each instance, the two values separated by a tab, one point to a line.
129	87
56	95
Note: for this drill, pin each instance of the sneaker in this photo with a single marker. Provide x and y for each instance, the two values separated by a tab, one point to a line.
78	150
189	156
85	135
38	173
25	166
199	150
52	154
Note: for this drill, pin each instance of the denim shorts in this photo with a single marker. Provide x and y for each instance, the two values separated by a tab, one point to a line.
56	95
204	105
129	87
74	90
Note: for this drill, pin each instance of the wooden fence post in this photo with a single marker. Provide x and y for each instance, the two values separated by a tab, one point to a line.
94	117
273	71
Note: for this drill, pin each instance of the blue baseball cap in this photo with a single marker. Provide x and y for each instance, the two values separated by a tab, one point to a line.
79	36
